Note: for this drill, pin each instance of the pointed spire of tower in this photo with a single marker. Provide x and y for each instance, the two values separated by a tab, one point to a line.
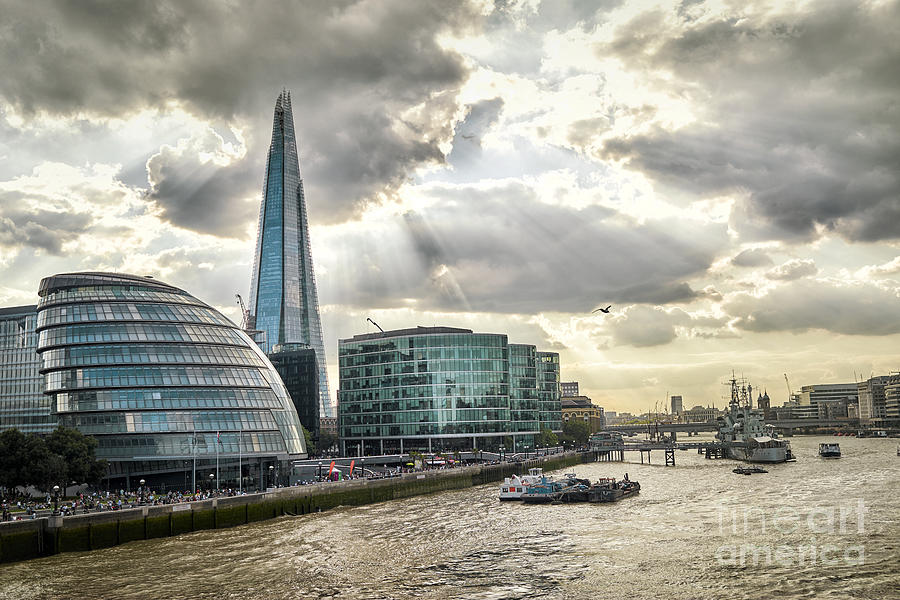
283	296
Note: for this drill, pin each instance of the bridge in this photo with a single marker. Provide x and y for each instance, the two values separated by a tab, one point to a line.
786	425
663	427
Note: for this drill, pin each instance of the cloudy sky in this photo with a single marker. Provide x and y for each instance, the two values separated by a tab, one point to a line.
726	175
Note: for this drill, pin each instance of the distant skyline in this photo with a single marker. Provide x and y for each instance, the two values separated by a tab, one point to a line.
723	174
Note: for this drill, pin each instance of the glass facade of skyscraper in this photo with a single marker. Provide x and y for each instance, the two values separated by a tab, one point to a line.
165	383
284	303
437	388
23	405
547	370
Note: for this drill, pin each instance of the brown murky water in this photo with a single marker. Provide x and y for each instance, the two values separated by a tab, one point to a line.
684	536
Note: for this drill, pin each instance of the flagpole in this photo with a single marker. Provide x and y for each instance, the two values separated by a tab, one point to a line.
240	461
194	458
217	460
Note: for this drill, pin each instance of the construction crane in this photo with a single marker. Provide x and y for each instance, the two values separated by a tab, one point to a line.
375	324
245	314
788	383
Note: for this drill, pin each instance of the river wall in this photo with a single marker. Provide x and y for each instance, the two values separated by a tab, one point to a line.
22	540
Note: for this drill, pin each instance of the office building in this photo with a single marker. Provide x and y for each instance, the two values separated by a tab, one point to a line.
547	373
284	303
297	366
892	400
23	405
171	389
677	405
872	399
568	388
583	408
443	388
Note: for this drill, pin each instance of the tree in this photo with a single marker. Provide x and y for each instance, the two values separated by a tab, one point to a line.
547	438
63	457
12	459
310	444
78	453
576	432
327	440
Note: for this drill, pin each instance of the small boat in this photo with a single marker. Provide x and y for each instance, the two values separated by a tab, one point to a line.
748	470
830	450
513	487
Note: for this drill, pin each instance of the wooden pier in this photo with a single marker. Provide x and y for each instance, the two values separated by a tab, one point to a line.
615	452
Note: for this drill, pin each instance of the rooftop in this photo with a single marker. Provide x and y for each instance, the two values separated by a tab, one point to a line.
419	330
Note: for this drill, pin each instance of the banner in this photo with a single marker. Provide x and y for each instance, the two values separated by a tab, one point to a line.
330	469
352	462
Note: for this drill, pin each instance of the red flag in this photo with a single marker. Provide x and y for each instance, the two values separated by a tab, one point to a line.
352	462
330	469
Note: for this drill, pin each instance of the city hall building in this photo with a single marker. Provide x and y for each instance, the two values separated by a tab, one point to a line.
434	389
172	390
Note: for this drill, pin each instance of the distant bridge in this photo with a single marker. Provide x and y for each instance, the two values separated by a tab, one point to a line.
781	425
666	427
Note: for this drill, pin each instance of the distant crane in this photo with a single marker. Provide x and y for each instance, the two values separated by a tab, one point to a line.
375	324
245	314
788	383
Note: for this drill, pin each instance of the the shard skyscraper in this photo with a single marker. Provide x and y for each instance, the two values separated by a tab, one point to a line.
283	298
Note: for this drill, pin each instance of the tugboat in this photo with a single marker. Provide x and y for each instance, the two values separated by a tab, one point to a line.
829	450
748	470
742	430
513	487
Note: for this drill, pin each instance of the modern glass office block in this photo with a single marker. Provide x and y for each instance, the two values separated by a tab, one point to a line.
547	364
23	405
297	366
284	303
170	388
436	388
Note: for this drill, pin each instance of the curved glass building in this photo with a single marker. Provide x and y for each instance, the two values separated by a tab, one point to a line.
172	390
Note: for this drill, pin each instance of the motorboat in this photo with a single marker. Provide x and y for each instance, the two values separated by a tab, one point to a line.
830	450
513	487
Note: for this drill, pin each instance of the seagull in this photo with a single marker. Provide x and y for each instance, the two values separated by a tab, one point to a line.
603	310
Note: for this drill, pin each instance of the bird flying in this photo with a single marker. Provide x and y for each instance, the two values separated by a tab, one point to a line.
603	310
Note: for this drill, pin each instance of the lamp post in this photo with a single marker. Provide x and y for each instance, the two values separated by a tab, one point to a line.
502	448
271	475
319	474
55	500
362	467
212	476
143	483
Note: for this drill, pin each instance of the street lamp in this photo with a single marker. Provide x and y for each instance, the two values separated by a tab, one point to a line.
211	477
502	449
271	475
143	483
362	467
319	475
55	500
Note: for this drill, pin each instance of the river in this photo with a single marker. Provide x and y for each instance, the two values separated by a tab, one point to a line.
812	529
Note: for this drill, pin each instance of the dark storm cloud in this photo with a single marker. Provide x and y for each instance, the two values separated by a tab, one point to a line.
535	257
753	257
43	229
798	113
204	197
373	92
798	306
